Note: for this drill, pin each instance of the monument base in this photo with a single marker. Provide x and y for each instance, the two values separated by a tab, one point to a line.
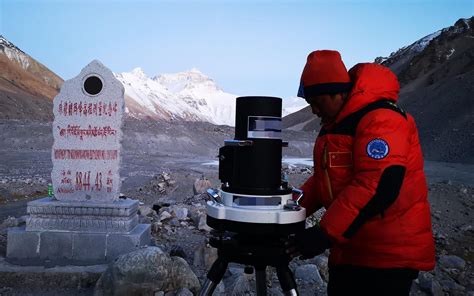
52	248
76	233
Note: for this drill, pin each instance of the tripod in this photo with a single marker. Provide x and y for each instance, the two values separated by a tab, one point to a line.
250	250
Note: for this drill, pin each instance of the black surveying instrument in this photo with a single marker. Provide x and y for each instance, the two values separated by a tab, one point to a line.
254	211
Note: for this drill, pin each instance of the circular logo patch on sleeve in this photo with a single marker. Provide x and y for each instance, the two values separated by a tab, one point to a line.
377	149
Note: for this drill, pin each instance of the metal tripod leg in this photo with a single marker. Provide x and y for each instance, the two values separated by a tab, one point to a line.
287	281
260	278
214	276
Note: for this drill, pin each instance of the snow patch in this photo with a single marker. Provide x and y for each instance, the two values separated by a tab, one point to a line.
451	51
421	44
292	105
14	53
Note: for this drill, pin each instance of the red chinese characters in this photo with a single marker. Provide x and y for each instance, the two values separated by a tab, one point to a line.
84	109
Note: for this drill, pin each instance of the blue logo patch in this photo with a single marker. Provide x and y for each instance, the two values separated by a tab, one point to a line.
377	149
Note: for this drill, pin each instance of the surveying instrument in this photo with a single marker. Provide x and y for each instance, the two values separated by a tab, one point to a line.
254	211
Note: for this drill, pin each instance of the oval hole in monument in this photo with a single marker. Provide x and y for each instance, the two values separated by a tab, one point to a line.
93	85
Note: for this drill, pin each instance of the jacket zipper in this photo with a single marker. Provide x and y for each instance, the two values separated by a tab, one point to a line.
325	170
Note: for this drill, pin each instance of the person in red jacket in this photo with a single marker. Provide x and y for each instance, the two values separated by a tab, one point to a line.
368	175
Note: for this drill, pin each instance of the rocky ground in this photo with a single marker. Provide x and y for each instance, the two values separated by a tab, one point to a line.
169	190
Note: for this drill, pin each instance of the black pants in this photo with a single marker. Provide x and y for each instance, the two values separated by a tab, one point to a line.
356	280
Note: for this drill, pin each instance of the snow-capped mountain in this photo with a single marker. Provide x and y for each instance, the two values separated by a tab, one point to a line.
424	55
189	95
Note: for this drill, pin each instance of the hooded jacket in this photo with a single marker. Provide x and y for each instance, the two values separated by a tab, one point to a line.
368	174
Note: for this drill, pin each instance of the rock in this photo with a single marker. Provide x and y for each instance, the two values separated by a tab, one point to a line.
202	225
309	273
195	215
145	210
205	256
177	250
321	262
174	222
184	292
220	289
181	213
452	261
159	293
144	271
156	207
165	176
427	284
451	286
164	215
239	285
10	222
155	227
463	190
201	185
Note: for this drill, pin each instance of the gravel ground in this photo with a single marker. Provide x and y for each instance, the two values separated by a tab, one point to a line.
25	173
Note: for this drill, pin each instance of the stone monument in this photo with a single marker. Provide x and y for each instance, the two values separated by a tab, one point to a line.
85	222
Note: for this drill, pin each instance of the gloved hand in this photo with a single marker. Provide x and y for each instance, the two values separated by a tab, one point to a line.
308	243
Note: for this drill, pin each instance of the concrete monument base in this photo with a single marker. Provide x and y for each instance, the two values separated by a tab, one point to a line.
76	233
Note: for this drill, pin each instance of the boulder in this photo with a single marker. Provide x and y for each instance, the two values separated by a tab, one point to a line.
145	271
321	262
164	215
146	210
429	285
451	261
180	213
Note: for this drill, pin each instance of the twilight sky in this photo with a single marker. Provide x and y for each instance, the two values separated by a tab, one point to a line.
247	47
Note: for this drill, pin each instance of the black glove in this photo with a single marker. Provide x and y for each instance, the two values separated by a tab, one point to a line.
308	243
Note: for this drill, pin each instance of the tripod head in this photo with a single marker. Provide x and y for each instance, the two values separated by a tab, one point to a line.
253	198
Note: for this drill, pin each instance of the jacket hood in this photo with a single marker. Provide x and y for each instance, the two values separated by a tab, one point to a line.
371	82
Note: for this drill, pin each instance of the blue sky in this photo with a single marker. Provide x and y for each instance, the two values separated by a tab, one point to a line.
247	47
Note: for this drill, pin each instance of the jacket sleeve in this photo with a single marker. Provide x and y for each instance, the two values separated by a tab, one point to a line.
380	151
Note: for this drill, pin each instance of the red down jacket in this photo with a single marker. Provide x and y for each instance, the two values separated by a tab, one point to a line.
368	174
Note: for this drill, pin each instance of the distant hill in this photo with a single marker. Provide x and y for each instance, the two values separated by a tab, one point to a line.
26	86
436	75
437	80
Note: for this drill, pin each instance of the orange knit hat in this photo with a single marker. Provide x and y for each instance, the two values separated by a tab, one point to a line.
324	73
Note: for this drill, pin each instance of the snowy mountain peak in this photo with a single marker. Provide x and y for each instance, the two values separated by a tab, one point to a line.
186	80
14	53
196	70
139	73
5	43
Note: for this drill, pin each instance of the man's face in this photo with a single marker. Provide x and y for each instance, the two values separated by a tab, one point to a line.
326	106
